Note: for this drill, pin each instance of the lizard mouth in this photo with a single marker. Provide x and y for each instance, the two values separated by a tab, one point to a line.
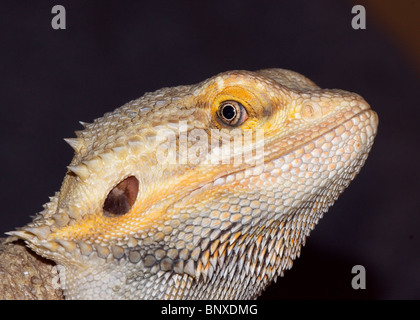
361	126
354	132
339	147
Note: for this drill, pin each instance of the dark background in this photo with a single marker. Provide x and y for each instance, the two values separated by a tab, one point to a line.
115	51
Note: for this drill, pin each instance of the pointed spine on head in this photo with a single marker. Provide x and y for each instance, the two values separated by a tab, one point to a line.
75	143
94	164
107	157
41	232
81	170
81	133
120	151
84	124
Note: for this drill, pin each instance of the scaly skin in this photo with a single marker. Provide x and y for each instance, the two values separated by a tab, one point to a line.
196	227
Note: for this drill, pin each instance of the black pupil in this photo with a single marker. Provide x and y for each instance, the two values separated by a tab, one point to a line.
229	112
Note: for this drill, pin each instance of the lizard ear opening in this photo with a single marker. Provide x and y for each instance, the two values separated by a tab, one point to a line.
121	198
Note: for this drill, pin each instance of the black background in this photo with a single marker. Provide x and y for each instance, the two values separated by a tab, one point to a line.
115	51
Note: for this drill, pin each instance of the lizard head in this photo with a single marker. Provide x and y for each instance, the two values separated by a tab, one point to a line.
201	191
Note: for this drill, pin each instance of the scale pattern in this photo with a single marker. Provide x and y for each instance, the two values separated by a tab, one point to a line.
191	225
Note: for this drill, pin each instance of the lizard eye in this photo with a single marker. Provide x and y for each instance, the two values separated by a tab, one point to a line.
232	113
121	198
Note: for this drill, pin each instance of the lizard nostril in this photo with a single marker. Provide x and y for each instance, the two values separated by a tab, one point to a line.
122	197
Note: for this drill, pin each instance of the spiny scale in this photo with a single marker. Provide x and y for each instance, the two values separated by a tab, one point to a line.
81	170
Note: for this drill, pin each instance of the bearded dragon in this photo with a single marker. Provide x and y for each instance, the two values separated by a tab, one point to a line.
205	191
